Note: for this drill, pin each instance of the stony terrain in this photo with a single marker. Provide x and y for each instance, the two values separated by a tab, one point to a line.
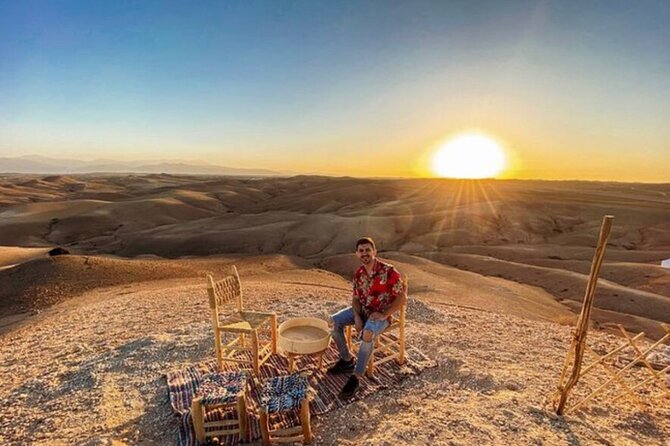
497	271
90	371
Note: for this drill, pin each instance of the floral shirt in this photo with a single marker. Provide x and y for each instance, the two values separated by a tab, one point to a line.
376	292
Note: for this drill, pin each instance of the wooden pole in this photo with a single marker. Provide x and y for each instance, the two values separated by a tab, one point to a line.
584	317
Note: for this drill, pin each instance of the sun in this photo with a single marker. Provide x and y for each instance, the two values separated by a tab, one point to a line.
469	155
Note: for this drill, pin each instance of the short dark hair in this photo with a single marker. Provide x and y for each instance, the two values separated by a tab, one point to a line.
365	241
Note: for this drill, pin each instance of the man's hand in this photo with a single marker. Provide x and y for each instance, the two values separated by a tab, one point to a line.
358	322
376	316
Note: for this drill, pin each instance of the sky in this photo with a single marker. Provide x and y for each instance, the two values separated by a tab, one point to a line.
571	90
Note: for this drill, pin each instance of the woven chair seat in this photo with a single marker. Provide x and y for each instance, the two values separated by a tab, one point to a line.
221	388
283	393
244	321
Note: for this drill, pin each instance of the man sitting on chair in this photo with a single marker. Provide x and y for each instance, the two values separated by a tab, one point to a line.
377	294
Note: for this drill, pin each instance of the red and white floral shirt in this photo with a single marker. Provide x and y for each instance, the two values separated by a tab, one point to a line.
377	291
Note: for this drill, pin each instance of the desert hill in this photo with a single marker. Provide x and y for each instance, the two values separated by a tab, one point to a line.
423	214
12	255
497	271
535	233
41	164
568	288
37	283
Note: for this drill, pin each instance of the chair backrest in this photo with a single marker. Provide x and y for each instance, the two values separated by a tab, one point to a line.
223	291
403	307
400	313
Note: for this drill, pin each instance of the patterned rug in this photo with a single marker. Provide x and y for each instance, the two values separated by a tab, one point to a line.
182	385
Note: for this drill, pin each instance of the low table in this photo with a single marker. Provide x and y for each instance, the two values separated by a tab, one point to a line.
303	336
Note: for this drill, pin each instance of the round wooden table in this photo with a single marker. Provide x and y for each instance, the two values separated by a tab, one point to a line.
303	336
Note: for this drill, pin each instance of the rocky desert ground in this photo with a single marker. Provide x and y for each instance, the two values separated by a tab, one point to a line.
497	272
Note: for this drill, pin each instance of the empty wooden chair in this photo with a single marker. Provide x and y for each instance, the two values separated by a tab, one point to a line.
225	392
244	337
388	348
283	394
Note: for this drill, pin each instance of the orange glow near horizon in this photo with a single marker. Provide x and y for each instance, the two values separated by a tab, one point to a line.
469	155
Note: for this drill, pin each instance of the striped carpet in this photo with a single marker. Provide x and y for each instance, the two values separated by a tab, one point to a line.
182	385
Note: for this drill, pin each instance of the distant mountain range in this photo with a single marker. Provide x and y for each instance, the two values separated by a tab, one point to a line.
45	165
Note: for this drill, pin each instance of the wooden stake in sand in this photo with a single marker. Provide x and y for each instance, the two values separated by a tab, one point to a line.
577	346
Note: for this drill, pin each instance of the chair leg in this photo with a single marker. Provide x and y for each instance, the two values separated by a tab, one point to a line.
370	370
305	421
265	428
274	333
217	348
242	340
198	416
242	415
321	360
254	351
401	338
347	335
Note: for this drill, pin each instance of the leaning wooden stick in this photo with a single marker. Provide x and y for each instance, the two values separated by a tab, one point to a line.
656	375
609	355
619	373
642	383
619	379
585	315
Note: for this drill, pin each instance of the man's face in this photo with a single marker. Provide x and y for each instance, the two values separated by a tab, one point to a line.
366	253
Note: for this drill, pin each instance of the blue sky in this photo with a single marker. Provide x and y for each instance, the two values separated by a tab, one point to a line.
363	88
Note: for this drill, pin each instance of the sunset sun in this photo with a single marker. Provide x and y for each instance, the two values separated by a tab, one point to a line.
469	155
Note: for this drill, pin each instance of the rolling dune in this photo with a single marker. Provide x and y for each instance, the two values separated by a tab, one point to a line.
530	240
568	285
12	255
497	272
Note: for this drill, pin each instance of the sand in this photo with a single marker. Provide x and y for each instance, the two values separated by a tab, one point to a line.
78	375
497	271
14	255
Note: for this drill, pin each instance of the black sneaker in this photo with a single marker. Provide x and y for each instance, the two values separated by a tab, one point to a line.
342	366
349	388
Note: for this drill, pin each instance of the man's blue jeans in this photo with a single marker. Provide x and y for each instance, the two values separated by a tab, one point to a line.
346	317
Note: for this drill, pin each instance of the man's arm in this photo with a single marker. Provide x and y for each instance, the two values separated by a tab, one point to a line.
358	319
399	292
356	306
398	302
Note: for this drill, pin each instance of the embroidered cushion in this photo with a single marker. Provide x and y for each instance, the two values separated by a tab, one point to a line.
282	393
221	388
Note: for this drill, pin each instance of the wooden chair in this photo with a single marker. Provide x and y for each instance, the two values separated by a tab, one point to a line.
240	324
284	394
387	348
223	392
